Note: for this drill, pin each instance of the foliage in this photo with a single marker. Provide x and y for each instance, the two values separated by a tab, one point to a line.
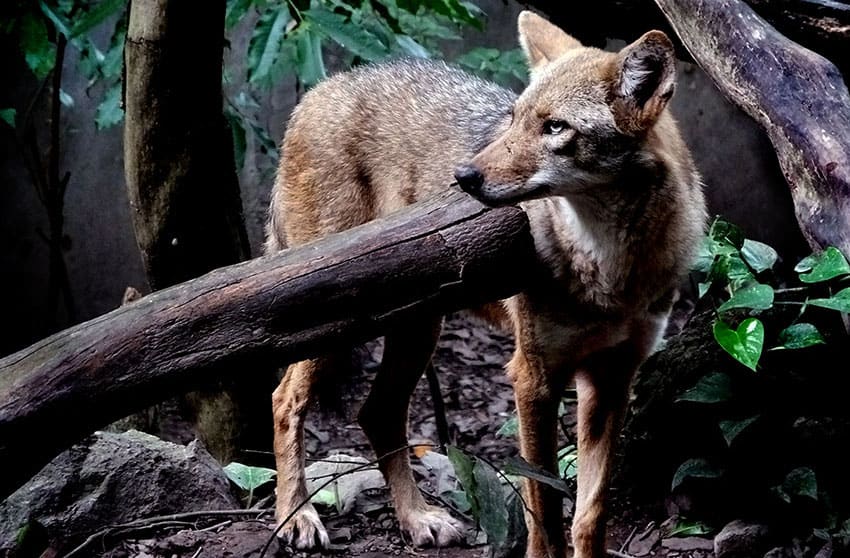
248	478
733	268
737	278
36	26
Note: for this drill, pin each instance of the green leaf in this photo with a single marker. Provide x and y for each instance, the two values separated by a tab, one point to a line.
109	111
715	387
39	52
240	142
8	115
266	44
568	462
799	336
839	301
799	482
90	19
731	269
704	257
325	497
695	468
410	46
744	344
247	477
236	9
725	233
310	65
755	295
758	255
463	467
519	466
824	266
731	428
65	98
492	506
62	25
685	528
352	38
509	428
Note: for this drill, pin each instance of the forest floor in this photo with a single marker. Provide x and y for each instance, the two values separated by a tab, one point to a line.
478	396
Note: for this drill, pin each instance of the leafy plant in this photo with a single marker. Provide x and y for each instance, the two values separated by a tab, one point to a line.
732	267
248	478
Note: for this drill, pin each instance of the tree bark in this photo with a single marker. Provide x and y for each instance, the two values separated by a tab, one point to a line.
796	95
439	256
821	25
181	177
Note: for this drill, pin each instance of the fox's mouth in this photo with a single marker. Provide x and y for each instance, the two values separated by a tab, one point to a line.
495	195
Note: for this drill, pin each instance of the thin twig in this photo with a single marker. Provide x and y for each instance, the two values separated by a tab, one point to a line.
147	522
439	404
327	483
617	553
628	539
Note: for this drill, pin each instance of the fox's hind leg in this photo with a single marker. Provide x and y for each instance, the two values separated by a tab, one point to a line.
407	351
290	402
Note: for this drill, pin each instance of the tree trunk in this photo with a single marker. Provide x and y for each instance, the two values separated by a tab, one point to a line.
180	172
437	256
821	25
796	95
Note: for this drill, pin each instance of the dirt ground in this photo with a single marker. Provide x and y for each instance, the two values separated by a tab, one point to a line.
478	398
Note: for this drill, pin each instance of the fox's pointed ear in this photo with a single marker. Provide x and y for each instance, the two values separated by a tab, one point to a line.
643	82
541	40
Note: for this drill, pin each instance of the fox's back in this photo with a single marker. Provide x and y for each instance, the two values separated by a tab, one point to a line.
367	142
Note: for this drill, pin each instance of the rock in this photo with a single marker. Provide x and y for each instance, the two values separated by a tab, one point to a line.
778	552
642	544
349	485
115	478
682	544
739	539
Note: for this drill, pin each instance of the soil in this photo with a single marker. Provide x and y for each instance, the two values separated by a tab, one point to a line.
478	397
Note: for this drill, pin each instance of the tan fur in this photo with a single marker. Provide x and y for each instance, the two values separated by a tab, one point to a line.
616	209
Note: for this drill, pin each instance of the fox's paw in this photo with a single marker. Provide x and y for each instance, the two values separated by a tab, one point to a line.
431	526
304	530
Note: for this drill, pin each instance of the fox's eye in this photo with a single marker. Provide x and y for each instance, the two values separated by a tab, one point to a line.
554	127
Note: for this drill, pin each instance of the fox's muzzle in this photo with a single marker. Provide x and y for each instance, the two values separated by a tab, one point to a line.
469	178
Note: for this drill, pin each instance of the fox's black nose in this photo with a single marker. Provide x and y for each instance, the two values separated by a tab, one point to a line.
469	178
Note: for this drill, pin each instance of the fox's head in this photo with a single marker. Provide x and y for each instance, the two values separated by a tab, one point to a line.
582	121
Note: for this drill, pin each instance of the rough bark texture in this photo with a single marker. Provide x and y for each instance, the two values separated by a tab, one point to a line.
440	256
796	95
822	25
181	179
178	164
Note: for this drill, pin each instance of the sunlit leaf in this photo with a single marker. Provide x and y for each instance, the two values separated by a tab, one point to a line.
509	428
824	266
745	343
247	477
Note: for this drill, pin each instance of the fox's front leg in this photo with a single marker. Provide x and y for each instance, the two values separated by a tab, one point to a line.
538	394
290	402
602	386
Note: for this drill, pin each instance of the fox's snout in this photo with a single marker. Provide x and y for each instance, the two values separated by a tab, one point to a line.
470	178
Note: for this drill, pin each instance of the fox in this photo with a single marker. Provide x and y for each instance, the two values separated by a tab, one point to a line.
590	151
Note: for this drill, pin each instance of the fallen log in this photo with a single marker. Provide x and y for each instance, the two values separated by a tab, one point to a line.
796	95
437	256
